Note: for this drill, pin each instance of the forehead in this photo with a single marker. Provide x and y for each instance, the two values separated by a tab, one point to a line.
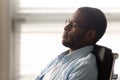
79	17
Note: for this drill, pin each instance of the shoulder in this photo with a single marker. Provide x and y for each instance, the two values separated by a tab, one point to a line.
84	67
87	60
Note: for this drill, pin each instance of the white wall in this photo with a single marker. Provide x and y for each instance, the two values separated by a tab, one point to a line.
4	40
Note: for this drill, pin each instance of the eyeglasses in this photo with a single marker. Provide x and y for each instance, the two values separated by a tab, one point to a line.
71	23
67	21
74	24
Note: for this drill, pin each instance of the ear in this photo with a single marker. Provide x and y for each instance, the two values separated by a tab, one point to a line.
90	35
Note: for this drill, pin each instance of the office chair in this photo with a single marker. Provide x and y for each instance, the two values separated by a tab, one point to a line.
105	62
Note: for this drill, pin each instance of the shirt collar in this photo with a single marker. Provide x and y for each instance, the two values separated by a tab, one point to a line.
82	52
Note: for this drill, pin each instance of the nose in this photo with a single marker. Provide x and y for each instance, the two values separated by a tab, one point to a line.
67	27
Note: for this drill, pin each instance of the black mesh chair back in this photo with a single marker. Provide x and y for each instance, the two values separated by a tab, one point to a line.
105	62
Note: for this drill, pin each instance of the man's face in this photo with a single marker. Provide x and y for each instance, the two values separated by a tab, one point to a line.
73	36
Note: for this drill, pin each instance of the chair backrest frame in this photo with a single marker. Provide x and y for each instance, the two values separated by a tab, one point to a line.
105	61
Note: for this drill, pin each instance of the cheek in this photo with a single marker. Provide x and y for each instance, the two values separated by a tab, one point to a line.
75	32
73	36
76	35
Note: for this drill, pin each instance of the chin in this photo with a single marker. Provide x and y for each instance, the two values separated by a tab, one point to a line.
66	43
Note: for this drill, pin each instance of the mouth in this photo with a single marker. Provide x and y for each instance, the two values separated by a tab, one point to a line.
65	35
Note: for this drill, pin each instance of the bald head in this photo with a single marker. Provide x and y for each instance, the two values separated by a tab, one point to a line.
94	19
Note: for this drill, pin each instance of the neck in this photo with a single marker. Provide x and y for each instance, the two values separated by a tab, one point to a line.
75	48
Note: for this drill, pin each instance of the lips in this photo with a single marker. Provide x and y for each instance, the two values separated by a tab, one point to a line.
65	35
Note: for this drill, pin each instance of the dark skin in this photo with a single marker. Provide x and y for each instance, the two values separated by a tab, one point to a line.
75	35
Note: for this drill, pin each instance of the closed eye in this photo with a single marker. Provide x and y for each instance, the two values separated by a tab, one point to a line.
74	25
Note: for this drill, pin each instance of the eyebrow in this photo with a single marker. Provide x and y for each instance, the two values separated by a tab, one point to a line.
73	21
76	22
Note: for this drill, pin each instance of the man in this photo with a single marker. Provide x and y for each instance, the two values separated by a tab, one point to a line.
86	26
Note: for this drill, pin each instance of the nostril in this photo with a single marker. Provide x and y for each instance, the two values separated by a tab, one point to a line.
65	28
